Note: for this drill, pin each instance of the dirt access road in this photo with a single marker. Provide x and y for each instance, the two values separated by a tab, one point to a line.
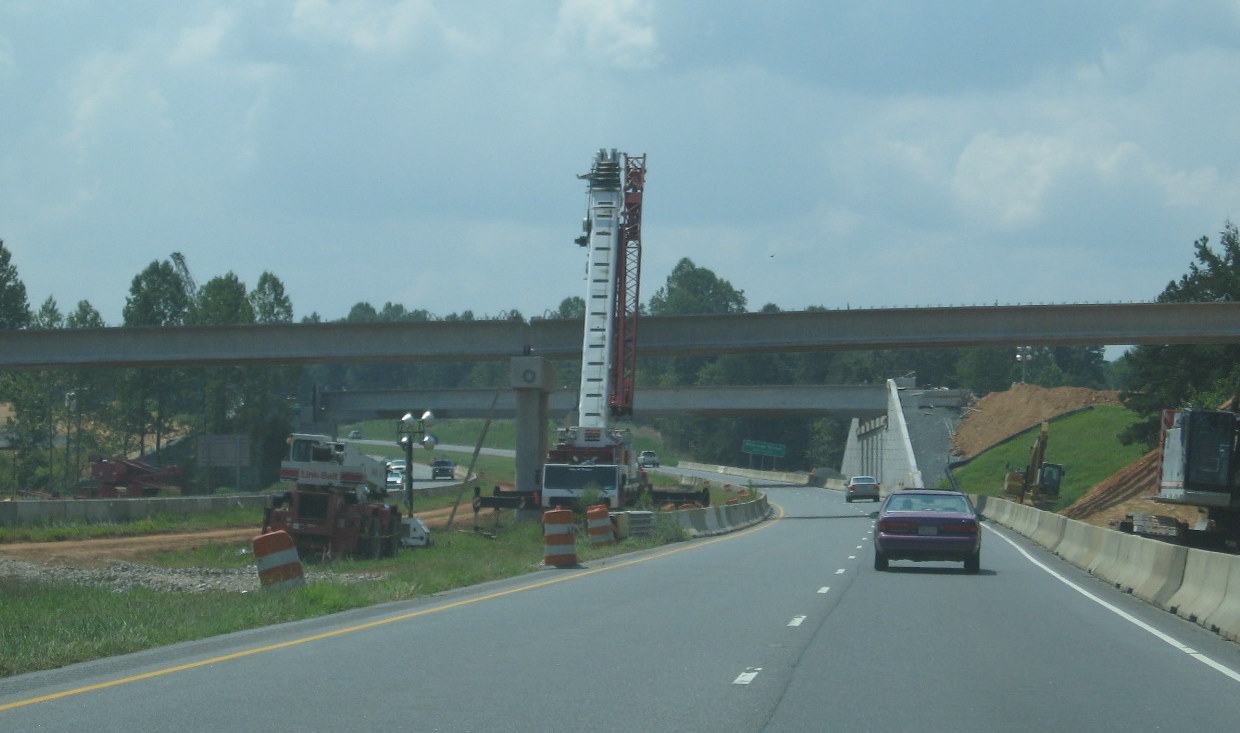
105	552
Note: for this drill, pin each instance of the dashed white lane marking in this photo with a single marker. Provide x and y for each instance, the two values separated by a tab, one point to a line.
747	676
852	557
1165	638
840	571
796	621
824	590
860	546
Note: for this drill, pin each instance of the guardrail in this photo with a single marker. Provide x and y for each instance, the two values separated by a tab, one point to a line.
1200	586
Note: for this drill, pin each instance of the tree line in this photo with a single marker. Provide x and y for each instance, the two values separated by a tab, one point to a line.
57	419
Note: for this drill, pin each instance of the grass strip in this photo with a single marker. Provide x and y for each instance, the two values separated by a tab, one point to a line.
51	624
1086	443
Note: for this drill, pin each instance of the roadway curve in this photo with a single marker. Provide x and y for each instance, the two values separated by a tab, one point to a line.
783	627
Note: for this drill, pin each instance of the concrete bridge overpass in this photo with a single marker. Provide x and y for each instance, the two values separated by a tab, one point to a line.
865	401
462	341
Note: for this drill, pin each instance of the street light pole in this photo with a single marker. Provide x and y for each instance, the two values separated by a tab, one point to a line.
1024	354
409	428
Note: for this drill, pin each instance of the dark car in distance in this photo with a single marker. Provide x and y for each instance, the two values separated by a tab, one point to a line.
924	525
443	468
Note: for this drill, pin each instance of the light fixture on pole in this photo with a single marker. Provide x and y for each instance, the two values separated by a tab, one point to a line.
1024	354
413	429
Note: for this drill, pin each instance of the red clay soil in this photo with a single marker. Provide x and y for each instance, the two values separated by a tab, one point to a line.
1000	415
1124	493
103	552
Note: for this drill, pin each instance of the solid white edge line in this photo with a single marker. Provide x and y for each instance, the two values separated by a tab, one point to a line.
1165	638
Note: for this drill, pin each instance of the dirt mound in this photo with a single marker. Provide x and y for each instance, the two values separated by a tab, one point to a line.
1000	415
1125	493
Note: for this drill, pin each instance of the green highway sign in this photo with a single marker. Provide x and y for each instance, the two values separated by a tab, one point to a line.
763	449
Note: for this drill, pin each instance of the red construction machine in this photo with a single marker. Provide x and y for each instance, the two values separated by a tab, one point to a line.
337	504
123	478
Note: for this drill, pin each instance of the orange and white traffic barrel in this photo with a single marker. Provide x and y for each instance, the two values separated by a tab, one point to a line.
560	537
278	564
598	522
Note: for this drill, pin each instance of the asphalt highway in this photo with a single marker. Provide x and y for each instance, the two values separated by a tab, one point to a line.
782	627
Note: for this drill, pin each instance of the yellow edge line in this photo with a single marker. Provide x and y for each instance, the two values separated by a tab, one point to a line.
403	617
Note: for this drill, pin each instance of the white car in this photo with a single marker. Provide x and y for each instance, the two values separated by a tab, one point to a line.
862	487
647	459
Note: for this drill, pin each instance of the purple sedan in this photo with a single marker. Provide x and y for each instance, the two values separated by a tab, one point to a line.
924	525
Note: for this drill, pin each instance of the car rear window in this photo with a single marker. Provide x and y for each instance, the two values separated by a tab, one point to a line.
929	503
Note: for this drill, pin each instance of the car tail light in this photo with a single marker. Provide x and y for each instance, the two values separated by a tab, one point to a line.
896	525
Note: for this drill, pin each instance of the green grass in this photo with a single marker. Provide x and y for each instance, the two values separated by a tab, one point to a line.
501	434
49	625
235	517
1085	443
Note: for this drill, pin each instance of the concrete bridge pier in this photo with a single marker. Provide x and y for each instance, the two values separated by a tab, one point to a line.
533	379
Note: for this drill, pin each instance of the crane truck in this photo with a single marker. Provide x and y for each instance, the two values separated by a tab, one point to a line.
593	459
336	504
1199	465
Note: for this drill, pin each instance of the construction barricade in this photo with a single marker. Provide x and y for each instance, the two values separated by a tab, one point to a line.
560	538
598	525
279	567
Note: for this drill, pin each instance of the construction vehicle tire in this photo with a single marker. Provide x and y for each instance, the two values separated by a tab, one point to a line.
375	546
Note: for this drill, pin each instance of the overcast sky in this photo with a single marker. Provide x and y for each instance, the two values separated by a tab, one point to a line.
810	152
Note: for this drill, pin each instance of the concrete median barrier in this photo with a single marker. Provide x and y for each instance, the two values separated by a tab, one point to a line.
1048	529
722	519
1106	563
1160	568
1081	543
1206	575
1225	620
999	511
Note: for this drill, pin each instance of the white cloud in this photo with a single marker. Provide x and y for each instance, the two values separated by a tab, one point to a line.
111	94
8	64
201	43
616	32
1003	179
369	26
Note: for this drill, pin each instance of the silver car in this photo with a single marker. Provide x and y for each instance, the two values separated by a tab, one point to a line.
861	487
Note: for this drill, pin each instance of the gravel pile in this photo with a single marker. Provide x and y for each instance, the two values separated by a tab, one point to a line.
124	576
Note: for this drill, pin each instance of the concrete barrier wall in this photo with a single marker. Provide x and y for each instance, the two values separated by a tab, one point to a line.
717	520
1225	620
1081	543
1201	586
1048	529
1206	576
1163	565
